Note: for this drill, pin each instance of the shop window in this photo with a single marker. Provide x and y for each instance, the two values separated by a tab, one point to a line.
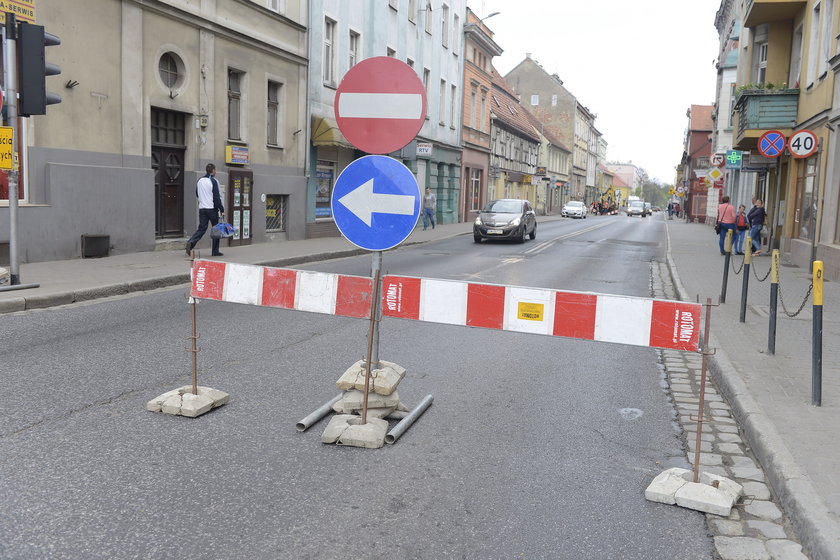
324	174
275	212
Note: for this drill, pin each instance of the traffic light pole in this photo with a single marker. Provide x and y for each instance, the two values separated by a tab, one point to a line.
10	81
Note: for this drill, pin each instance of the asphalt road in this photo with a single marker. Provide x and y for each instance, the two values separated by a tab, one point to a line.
535	447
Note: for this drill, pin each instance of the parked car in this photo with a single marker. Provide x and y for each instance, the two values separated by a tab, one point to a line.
574	209
648	209
636	208
505	218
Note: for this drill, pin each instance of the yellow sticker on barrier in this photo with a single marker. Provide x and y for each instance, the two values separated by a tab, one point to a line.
530	311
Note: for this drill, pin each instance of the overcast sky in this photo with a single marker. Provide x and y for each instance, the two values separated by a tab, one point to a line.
637	65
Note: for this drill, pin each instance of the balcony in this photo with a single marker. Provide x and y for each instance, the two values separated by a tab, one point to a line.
768	11
761	110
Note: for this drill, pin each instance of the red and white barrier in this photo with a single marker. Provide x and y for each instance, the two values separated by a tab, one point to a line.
604	318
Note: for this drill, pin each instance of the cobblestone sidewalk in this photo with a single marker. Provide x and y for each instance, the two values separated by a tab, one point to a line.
757	528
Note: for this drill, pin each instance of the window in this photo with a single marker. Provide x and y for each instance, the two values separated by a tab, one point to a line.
762	62
535	99
170	69
795	58
444	25
426	75
806	212
329	52
456	33
473	107
324	173
453	105
409	62
273	113
395	4
275	212
355	45
275	5
390	52
475	189
442	101
234	104
813	45
412	11
428	19
825	51
483	122
554	100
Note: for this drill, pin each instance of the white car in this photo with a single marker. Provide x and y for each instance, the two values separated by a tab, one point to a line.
574	209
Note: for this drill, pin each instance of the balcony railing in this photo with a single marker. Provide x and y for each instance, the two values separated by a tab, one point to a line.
760	109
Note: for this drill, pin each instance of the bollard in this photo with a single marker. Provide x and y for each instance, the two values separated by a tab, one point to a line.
745	281
774	298
816	337
727	244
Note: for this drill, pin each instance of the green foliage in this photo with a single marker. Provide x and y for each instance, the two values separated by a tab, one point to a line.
769	86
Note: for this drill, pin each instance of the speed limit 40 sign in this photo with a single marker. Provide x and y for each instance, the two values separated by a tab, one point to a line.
802	144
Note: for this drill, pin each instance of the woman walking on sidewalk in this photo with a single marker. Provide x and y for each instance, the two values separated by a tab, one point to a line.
756	218
726	219
741	227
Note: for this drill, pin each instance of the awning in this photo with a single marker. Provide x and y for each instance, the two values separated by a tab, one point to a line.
325	132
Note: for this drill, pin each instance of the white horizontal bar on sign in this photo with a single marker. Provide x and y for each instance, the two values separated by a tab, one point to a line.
243	283
316	292
443	301
380	105
625	320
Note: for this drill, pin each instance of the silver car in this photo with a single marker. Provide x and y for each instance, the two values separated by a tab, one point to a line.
506	218
574	209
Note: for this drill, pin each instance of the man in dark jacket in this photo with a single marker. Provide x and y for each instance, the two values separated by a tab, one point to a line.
756	217
209	209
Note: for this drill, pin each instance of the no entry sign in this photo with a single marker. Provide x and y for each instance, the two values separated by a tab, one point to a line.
380	105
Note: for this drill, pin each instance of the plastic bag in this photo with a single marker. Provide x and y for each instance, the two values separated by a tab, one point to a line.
220	230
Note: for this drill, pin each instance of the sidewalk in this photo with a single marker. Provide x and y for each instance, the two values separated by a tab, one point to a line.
770	395
796	443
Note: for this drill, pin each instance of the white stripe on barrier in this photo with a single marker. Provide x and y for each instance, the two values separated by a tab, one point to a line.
443	301
315	292
243	283
624	320
529	310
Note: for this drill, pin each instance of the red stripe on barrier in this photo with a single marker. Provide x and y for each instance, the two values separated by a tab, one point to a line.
574	315
278	289
675	325
401	297
353	296
485	306
208	279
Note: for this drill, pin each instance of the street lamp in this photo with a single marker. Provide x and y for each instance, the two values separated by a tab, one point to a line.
489	16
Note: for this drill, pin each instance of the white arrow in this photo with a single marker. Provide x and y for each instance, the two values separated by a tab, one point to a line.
363	202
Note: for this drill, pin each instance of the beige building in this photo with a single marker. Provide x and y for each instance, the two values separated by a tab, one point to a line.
152	92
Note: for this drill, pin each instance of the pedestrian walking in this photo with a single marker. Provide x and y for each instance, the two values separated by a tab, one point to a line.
741	227
670	210
209	209
756	217
429	208
726	220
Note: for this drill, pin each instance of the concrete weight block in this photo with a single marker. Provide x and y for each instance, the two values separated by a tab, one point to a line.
666	484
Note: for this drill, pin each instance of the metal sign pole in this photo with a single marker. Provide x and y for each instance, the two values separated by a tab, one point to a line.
10	82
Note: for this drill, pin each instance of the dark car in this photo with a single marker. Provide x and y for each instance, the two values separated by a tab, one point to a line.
506	218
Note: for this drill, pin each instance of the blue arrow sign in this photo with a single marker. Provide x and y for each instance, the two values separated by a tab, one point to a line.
376	202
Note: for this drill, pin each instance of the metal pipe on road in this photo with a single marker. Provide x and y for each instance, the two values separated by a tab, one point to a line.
319	413
406	422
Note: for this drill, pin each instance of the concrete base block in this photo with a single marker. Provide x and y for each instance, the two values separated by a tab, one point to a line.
666	484
353	400
383	381
370	435
702	497
347	429
182	402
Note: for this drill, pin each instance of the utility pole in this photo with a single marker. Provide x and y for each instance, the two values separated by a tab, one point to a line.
10	82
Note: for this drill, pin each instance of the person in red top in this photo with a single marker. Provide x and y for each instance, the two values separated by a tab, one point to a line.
726	219
741	227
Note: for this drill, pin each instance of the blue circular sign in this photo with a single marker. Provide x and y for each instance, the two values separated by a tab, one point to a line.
771	143
376	202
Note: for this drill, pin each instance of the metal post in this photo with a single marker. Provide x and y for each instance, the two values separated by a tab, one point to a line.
816	337
814	208
745	281
774	297
194	337
727	248
701	405
376	269
10	82
374	311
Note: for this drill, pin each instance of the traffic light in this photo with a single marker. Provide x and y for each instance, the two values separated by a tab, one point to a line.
33	69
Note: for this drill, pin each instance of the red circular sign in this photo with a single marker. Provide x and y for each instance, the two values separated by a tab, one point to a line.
380	105
771	144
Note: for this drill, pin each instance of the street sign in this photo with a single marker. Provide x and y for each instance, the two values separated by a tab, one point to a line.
733	159
380	105
6	147
680	190
717	160
771	144
715	173
376	202
803	143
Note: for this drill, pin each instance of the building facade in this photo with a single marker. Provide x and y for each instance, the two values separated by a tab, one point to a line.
151	93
